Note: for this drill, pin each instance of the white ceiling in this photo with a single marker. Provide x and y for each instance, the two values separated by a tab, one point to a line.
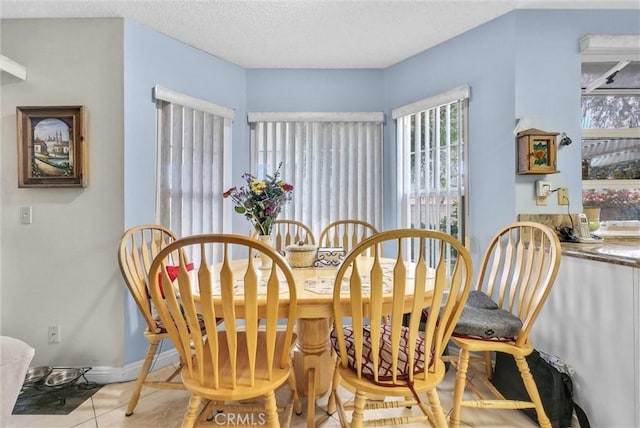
302	33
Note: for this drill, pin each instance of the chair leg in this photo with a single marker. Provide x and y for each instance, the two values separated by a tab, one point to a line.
532	389
458	392
357	417
146	365
487	364
271	410
191	415
440	421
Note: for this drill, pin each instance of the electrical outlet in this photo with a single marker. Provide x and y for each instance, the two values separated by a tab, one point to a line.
563	196
26	215
543	188
54	333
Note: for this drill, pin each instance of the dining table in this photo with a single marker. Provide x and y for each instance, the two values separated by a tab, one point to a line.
313	359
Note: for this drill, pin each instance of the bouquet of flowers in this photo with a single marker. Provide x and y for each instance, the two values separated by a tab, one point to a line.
261	201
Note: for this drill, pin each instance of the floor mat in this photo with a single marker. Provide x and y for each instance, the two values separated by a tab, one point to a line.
54	401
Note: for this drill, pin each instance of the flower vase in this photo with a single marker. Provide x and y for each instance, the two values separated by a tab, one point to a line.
265	261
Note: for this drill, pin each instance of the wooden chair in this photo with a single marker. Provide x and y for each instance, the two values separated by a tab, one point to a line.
138	247
250	356
373	357
518	270
287	232
346	234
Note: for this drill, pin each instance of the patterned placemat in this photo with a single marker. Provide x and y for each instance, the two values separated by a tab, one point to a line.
324	284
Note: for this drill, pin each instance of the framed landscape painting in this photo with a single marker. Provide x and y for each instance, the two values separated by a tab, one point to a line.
52	146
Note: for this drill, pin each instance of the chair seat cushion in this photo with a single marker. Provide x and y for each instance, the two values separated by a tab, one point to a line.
483	318
160	327
172	272
385	363
479	299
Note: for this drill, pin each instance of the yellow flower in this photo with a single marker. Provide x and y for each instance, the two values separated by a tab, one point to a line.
258	186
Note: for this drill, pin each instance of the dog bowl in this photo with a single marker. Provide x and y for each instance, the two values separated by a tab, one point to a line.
59	377
36	375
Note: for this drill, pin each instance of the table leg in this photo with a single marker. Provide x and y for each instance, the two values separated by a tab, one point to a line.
313	361
311	397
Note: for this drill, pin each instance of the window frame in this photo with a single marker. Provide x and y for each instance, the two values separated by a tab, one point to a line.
614	133
458	95
171	205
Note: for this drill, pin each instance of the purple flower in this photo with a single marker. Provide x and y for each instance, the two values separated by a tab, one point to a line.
260	201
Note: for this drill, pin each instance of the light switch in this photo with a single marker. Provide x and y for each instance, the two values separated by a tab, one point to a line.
26	215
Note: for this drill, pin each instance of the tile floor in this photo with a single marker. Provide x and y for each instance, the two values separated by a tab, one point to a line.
165	409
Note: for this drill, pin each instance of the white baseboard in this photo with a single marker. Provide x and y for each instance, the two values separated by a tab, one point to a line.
102	375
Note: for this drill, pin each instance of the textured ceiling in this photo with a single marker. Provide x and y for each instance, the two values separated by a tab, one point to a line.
302	33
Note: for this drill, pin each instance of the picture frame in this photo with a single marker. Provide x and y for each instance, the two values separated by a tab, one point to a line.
52	146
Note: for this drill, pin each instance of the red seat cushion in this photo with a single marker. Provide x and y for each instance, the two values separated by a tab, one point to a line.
172	272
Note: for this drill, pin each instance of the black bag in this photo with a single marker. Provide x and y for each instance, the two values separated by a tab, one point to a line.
555	389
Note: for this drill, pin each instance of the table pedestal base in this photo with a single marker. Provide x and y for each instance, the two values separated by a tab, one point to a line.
313	361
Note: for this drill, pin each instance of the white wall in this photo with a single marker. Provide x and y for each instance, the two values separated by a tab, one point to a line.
62	269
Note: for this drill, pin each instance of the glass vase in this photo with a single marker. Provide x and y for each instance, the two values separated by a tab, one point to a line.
593	215
265	261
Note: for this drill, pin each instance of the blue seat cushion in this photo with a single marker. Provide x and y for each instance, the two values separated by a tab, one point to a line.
482	318
479	299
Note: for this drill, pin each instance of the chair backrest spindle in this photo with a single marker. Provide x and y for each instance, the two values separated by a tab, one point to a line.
346	234
245	298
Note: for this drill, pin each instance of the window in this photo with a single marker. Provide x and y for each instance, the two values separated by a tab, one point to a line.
611	138
193	136
432	181
333	160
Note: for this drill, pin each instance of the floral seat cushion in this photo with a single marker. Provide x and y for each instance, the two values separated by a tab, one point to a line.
385	367
160	327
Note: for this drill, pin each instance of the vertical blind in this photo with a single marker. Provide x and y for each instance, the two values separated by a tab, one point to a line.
193	139
432	178
333	160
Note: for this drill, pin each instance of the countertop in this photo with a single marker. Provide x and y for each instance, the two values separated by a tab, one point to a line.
618	251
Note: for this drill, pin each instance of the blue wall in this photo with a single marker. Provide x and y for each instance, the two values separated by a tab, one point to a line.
547	72
315	90
524	65
150	59
472	59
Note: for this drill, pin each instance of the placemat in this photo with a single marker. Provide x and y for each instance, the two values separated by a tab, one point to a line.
324	284
238	287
